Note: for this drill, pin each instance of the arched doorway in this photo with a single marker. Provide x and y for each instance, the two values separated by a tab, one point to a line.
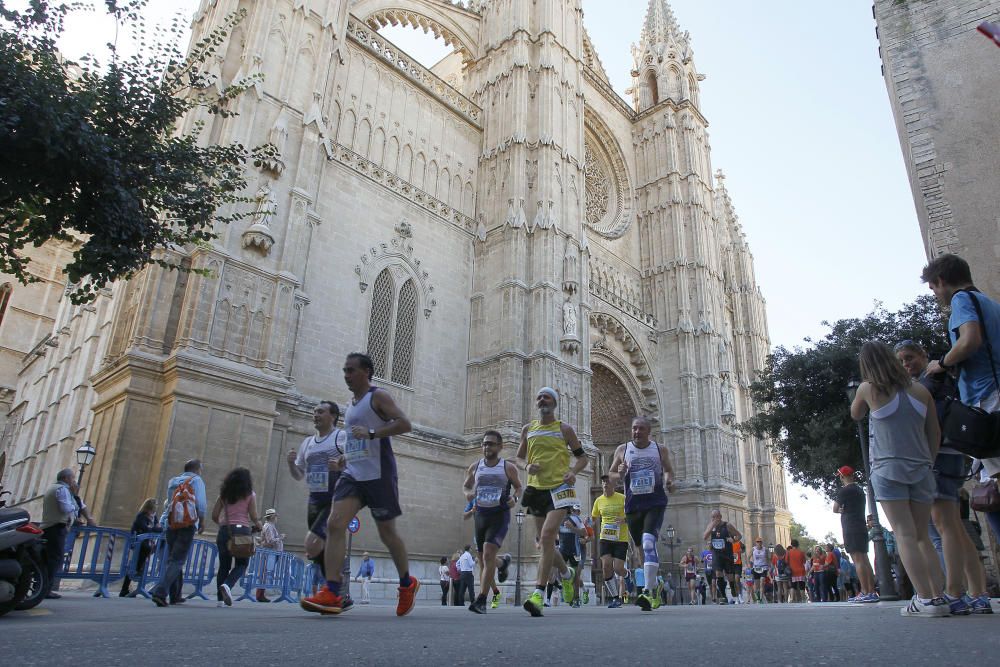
611	413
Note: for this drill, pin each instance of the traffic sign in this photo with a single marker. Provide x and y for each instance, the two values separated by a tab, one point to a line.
354	526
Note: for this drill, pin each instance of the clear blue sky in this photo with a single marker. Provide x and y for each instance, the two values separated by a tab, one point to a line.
801	125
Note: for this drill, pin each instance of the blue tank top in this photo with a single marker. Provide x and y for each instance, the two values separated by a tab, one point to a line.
644	479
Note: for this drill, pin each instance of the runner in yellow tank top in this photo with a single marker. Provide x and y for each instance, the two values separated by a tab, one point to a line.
546	444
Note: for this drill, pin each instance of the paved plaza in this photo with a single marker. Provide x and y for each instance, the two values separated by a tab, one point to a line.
132	631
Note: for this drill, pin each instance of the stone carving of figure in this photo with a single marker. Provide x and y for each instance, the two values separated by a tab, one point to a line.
569	319
724	357
266	205
728	401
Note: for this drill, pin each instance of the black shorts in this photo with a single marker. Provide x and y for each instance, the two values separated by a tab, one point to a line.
645	521
570	559
798	585
759	575
721	564
538	502
736	569
491	528
381	496
317	514
618	550
856	541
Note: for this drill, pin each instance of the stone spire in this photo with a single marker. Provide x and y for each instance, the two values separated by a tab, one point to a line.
664	66
661	25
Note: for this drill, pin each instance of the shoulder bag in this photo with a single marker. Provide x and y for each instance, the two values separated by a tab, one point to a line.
241	542
970	430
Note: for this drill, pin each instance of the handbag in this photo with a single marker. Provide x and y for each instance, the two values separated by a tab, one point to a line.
985	497
967	429
241	542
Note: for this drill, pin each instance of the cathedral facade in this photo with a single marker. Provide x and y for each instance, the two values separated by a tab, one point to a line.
500	222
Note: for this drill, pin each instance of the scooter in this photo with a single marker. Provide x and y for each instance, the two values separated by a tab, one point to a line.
23	578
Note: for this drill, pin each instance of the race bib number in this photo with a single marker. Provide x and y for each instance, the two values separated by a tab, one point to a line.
641	482
564	496
357	449
488	496
318	478
760	570
718	544
611	531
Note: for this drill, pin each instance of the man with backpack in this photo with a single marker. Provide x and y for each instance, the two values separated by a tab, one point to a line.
183	516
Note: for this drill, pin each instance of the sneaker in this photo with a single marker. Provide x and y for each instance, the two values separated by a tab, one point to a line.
958	606
407	597
615	603
575	604
159	600
502	570
178	601
919	609
533	605
325	602
868	597
478	606
227	595
567	584
981	605
495	602
220	604
656	602
644	603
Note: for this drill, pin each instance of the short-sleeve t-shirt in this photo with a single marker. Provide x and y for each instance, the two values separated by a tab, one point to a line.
852	504
975	380
612	514
796	562
313	460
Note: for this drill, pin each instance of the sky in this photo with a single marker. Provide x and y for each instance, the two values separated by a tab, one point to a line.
801	125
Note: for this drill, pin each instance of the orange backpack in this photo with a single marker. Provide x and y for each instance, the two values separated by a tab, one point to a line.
183	506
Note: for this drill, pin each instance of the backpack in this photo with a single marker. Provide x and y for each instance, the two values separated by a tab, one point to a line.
183	507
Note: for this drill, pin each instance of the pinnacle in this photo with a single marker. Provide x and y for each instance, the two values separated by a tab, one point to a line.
661	24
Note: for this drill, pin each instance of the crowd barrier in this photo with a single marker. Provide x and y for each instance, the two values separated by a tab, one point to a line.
106	555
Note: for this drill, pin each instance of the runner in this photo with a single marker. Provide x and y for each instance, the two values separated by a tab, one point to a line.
797	565
737	571
781	572
644	466
721	535
488	483
709	572
572	532
690	565
316	462
544	452
367	478
759	565
609	513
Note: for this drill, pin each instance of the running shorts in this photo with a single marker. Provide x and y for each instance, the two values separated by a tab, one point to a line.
618	550
381	496
491	528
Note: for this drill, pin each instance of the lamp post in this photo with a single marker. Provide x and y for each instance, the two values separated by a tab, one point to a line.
84	457
886	584
774	584
517	585
671	533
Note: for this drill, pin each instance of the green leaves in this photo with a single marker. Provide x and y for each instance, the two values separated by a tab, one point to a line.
91	153
801	395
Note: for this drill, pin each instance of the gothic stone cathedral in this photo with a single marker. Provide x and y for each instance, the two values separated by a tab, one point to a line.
500	222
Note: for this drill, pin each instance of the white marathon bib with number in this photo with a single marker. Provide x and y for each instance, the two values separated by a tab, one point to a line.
564	496
318	478
488	496
641	482
718	544
611	531
356	449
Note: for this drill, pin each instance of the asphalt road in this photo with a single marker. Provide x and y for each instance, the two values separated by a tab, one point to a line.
83	630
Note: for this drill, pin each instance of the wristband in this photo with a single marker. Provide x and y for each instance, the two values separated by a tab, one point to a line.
944	365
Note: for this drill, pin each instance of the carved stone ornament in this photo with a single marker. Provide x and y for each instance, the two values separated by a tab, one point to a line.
258	235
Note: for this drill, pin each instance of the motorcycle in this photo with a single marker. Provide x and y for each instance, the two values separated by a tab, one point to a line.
23	578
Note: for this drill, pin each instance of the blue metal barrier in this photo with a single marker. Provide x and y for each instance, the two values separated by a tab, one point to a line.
269	569
90	555
153	568
199	567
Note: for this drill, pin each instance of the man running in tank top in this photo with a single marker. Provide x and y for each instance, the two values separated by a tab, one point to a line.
316	461
721	535
488	484
644	467
368	479
544	452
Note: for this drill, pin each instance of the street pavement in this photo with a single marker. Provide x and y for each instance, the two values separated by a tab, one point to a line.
80	629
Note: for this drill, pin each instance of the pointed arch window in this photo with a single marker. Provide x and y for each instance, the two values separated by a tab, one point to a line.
5	291
392	328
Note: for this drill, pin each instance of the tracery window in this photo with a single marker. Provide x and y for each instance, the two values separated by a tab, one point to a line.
392	328
598	187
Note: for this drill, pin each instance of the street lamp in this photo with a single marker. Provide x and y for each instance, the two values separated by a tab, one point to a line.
84	457
671	533
517	585
774	584
886	584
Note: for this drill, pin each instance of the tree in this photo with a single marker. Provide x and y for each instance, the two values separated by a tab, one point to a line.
798	532
800	396
90	153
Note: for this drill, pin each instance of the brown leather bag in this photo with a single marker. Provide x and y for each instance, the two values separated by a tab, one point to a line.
985	497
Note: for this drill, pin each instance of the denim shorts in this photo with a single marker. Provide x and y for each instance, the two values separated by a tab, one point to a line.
950	471
922	491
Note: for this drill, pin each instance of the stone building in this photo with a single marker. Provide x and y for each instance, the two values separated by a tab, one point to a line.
941	76
500	222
